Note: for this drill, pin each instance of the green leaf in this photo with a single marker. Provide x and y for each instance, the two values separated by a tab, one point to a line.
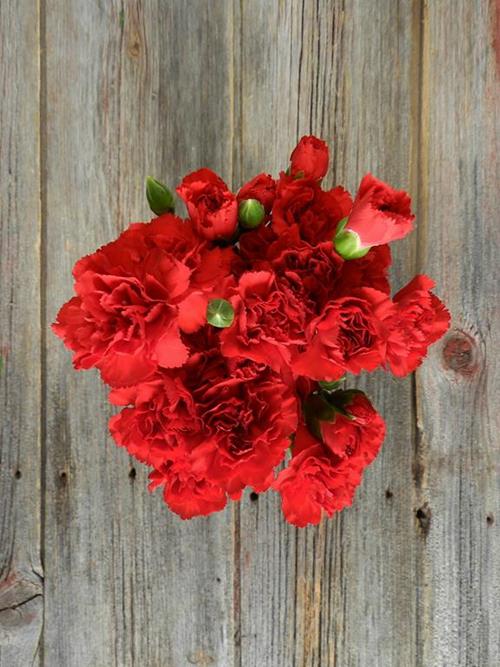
251	213
220	313
160	199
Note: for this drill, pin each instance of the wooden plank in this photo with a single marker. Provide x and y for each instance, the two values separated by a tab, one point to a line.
342	593
21	575
458	390
132	88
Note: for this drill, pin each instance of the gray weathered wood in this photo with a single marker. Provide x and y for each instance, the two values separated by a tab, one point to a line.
457	390
21	577
131	90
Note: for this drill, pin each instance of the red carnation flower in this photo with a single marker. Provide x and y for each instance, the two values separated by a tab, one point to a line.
124	317
249	412
322	476
187	490
356	436
349	336
309	158
210	204
302	202
372	270
418	320
380	214
262	188
269	321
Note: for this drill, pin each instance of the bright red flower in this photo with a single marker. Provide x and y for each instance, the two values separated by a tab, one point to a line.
269	321
302	202
309	158
249	412
349	336
380	214
418	320
187	490
211	205
356	438
262	188
124	318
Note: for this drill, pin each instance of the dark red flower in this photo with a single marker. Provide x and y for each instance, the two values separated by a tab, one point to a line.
372	270
302	202
309	158
380	213
269	321
262	188
418	320
349	336
211	205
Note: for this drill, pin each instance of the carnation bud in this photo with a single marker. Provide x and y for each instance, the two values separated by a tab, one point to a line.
160	199
251	213
347	243
220	313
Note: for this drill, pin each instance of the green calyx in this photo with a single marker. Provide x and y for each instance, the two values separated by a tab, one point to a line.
251	213
220	313
347	243
331	386
324	407
160	199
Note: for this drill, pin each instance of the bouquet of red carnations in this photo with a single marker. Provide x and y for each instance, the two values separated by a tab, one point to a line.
226	336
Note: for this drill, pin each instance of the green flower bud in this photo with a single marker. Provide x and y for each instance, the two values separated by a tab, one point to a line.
160	199
347	243
220	313
251	213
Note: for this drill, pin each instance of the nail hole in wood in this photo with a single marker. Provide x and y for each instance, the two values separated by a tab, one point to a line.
388	494
254	496
132	473
490	519
63	477
18	474
423	515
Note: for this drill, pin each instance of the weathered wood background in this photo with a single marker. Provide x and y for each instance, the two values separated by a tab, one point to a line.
95	94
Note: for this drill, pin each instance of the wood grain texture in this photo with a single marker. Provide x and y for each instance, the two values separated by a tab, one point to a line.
95	95
131	89
21	576
458	391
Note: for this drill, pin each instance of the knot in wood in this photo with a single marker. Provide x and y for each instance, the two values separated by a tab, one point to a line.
460	353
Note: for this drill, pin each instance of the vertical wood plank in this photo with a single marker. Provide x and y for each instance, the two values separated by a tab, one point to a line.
21	577
458	390
342	593
132	88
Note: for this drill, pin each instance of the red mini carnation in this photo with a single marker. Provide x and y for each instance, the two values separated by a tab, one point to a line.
262	188
418	320
324	472
309	158
349	336
211	205
269	321
302	202
380	214
187	490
